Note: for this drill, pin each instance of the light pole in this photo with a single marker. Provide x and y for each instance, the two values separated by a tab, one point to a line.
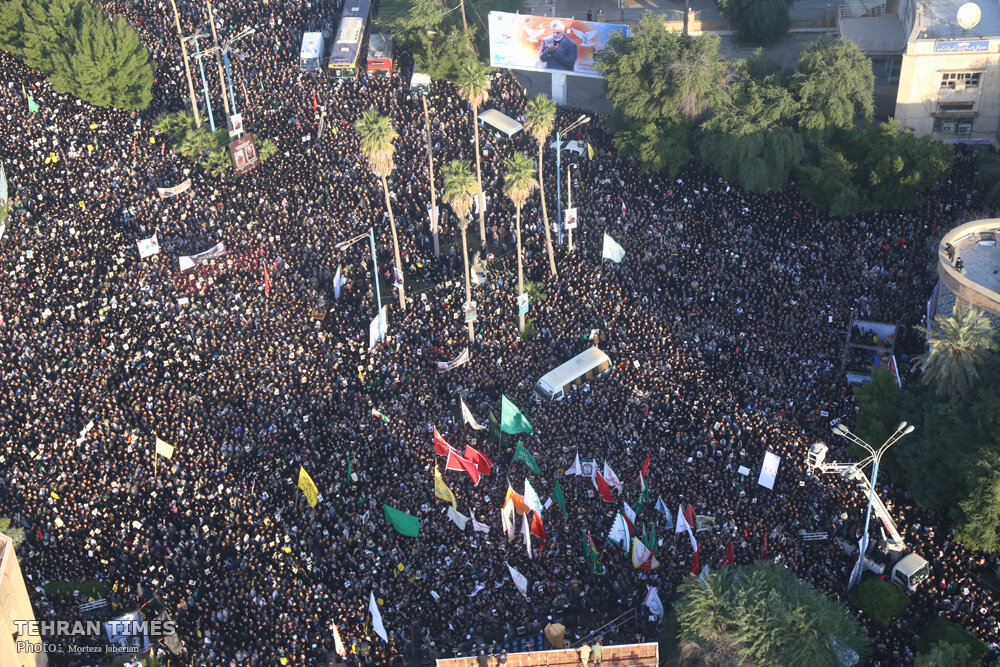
876	455
344	245
204	82
430	161
582	120
569	197
187	66
218	60
226	48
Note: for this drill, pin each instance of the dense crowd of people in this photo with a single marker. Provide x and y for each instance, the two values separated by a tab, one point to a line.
725	323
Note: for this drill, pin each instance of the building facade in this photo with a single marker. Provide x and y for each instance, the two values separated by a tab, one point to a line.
16	606
933	75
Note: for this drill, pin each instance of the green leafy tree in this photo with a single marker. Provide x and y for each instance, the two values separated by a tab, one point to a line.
459	189
978	526
959	344
660	83
758	22
988	175
944	654
769	617
879	403
15	534
217	162
409	20
879	599
474	87
876	167
943	631
194	143
80	50
444	55
745	140
377	134
519	183
540	116
834	85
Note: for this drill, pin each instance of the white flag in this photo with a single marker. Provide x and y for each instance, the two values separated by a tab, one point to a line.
682	524
531	498
338	643
642	556
629	514
377	618
507	519
611	478
469	419
653	602
575	469
612	250
619	533
459	519
769	470
3	186
519	581
527	533
662	507
338	282
478	527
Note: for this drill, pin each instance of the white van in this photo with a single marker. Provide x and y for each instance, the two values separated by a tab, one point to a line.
311	54
556	384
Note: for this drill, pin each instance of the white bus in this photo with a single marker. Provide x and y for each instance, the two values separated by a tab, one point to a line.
556	384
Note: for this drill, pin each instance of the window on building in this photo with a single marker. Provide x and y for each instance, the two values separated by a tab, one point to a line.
960	80
960	126
953	107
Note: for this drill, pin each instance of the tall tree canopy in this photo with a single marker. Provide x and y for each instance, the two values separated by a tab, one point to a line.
759	22
660	83
959	344
769	617
80	50
833	84
746	139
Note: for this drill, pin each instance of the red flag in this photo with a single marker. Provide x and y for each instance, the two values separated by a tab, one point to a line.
602	487
538	529
764	554
730	558
645	466
441	448
480	461
267	282
315	110
695	568
689	516
456	462
624	210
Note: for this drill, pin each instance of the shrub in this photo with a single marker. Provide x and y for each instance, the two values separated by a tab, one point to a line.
879	599
943	630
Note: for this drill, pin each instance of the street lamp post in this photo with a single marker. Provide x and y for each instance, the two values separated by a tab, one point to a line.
344	245
430	162
187	66
876	455
569	197
582	120
204	82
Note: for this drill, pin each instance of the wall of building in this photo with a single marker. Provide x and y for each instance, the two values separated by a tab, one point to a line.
15	605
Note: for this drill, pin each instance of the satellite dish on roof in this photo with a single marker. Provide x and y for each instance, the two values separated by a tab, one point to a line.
969	15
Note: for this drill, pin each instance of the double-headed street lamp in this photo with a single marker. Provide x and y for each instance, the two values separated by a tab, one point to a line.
876	456
582	120
204	82
344	245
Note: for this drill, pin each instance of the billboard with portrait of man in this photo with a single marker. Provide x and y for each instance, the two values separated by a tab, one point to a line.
545	44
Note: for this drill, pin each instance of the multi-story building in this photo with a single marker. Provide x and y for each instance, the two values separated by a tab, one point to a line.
17	649
936	63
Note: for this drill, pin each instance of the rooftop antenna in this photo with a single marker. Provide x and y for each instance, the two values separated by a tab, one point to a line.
969	15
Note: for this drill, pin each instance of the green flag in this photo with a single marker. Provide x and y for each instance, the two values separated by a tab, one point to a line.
557	495
511	419
650	540
494	427
643	497
33	106
595	565
404	523
522	454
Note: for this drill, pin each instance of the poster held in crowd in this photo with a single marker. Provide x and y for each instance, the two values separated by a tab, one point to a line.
444	366
769	470
148	247
188	262
174	190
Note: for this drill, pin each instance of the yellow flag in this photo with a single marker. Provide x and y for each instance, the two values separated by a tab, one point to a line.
308	487
164	449
442	491
54	495
590	151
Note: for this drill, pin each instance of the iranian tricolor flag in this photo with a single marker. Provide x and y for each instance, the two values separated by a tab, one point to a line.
376	413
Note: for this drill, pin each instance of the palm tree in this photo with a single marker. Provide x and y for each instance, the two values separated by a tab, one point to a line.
959	344
474	86
377	135
519	183
459	189
539	119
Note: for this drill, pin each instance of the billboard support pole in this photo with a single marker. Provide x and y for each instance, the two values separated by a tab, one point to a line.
559	88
